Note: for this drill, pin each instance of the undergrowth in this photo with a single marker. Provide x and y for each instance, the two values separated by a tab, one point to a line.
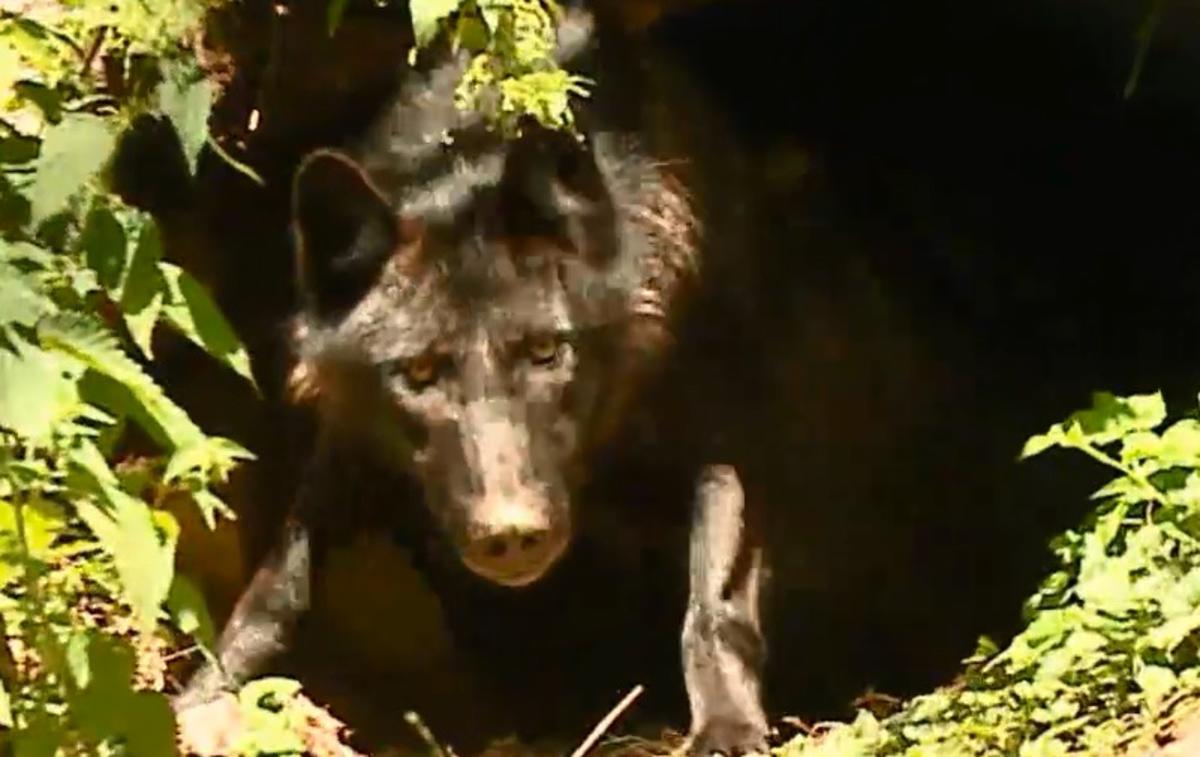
90	603
1109	655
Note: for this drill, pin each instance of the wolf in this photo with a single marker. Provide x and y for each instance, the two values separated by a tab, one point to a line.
491	318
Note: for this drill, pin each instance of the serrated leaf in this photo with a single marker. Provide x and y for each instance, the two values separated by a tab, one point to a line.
141	324
25	252
94	346
38	392
189	612
187	103
1040	443
21	301
73	151
427	15
191	310
142	280
105	247
126	529
212	459
1111	417
211	506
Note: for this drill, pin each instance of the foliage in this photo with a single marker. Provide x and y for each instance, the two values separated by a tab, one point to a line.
512	73
89	599
1111	646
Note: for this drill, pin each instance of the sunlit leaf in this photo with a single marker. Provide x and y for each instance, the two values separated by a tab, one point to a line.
186	101
144	558
427	15
38	392
189	612
191	310
6	715
94	346
73	151
21	301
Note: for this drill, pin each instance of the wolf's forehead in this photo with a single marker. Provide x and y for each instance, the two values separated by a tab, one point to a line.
404	318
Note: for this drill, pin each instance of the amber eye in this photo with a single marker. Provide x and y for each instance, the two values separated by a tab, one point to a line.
542	349
420	371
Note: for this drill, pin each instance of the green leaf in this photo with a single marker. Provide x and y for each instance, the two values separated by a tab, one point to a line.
1181	444
186	101
472	33
18	149
127	530
1111	417
21	301
142	322
142	279
1156	683
24	252
109	709
105	247
6	716
427	15
96	347
191	310
47	100
44	521
38	392
211	506
77	658
1041	442
189	612
73	151
272	725
213	458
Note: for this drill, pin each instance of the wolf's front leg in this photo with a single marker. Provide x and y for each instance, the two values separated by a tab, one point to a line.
263	619
723	647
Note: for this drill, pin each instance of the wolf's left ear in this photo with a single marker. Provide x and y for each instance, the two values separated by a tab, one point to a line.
344	229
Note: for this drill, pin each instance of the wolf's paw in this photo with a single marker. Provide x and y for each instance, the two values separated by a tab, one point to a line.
729	736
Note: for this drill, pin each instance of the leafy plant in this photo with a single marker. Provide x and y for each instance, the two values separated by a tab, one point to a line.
1111	651
89	599
512	73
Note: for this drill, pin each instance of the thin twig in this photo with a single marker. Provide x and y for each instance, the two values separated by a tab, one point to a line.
234	163
414	720
90	57
607	722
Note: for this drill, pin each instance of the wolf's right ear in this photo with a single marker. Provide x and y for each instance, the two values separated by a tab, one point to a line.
344	229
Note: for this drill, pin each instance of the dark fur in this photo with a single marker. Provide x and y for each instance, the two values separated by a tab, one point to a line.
438	264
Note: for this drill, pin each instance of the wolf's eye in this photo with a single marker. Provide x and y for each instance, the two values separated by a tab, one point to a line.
542	349
420	371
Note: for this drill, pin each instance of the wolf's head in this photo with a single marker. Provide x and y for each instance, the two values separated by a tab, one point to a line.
481	324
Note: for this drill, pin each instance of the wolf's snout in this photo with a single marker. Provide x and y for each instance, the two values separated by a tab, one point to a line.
515	546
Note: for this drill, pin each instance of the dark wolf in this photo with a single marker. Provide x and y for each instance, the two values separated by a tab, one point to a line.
499	321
